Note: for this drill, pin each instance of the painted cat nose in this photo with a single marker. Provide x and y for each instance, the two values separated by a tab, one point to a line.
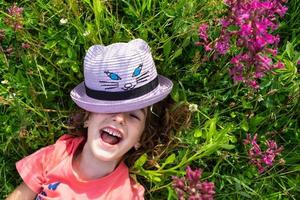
128	85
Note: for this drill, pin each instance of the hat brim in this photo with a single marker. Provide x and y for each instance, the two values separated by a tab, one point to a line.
79	96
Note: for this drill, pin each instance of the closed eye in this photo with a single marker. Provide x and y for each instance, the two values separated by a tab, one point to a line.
134	116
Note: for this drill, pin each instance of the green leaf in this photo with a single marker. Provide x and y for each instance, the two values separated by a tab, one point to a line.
246	104
75	68
245	125
177	53
170	159
186	42
167	48
254	121
71	53
141	161
227	146
290	50
50	44
197	133
232	114
175	94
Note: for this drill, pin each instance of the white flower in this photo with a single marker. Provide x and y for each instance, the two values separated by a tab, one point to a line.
193	107
63	21
86	33
4	82
260	98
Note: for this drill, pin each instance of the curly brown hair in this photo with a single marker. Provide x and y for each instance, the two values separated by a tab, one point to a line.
163	120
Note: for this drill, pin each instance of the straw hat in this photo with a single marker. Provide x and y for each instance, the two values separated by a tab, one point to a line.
120	77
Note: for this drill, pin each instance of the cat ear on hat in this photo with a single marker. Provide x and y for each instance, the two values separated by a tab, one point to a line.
94	51
140	44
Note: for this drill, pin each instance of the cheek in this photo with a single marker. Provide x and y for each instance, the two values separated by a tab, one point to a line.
141	130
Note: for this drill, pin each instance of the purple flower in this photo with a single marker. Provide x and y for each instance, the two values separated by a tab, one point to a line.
190	186
262	159
225	23
255	21
16	19
15	11
260	27
279	65
203	32
25	45
222	45
2	34
281	10
246	30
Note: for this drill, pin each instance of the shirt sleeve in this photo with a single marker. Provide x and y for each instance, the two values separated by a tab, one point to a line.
32	168
137	189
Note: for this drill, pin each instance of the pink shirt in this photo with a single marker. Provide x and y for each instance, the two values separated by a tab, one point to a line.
49	173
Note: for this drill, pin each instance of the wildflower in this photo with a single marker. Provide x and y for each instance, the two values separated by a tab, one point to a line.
208	47
86	33
190	187
279	65
262	159
16	19
203	32
260	98
15	11
63	21
222	45
4	82
2	34
25	45
193	107
255	19
9	50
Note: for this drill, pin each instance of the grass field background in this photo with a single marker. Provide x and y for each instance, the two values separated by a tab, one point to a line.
42	45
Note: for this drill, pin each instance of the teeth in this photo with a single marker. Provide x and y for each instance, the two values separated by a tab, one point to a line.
112	132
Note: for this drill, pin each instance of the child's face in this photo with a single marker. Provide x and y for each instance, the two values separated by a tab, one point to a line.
111	135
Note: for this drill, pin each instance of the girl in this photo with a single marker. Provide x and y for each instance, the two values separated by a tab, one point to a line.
117	124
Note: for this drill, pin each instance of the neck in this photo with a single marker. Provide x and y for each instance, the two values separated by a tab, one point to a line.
88	167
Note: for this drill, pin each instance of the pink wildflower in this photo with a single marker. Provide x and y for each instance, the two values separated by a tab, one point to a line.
25	45
279	65
16	19
15	11
190	187
203	32
255	20
262	159
2	34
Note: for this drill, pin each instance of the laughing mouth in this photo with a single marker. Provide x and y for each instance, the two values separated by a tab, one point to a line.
110	135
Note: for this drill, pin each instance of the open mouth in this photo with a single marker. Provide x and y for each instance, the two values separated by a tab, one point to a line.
110	135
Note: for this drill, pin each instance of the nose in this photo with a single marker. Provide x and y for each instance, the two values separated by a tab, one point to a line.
120	118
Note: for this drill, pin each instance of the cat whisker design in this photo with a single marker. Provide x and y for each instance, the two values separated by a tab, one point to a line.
108	82
143	76
109	85
109	88
112	85
141	81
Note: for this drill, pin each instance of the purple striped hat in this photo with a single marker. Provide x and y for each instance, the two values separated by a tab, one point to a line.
120	77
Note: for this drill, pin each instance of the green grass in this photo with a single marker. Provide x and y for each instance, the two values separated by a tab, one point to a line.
35	86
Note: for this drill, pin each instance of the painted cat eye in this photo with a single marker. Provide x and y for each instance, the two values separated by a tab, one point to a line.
112	76
137	71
